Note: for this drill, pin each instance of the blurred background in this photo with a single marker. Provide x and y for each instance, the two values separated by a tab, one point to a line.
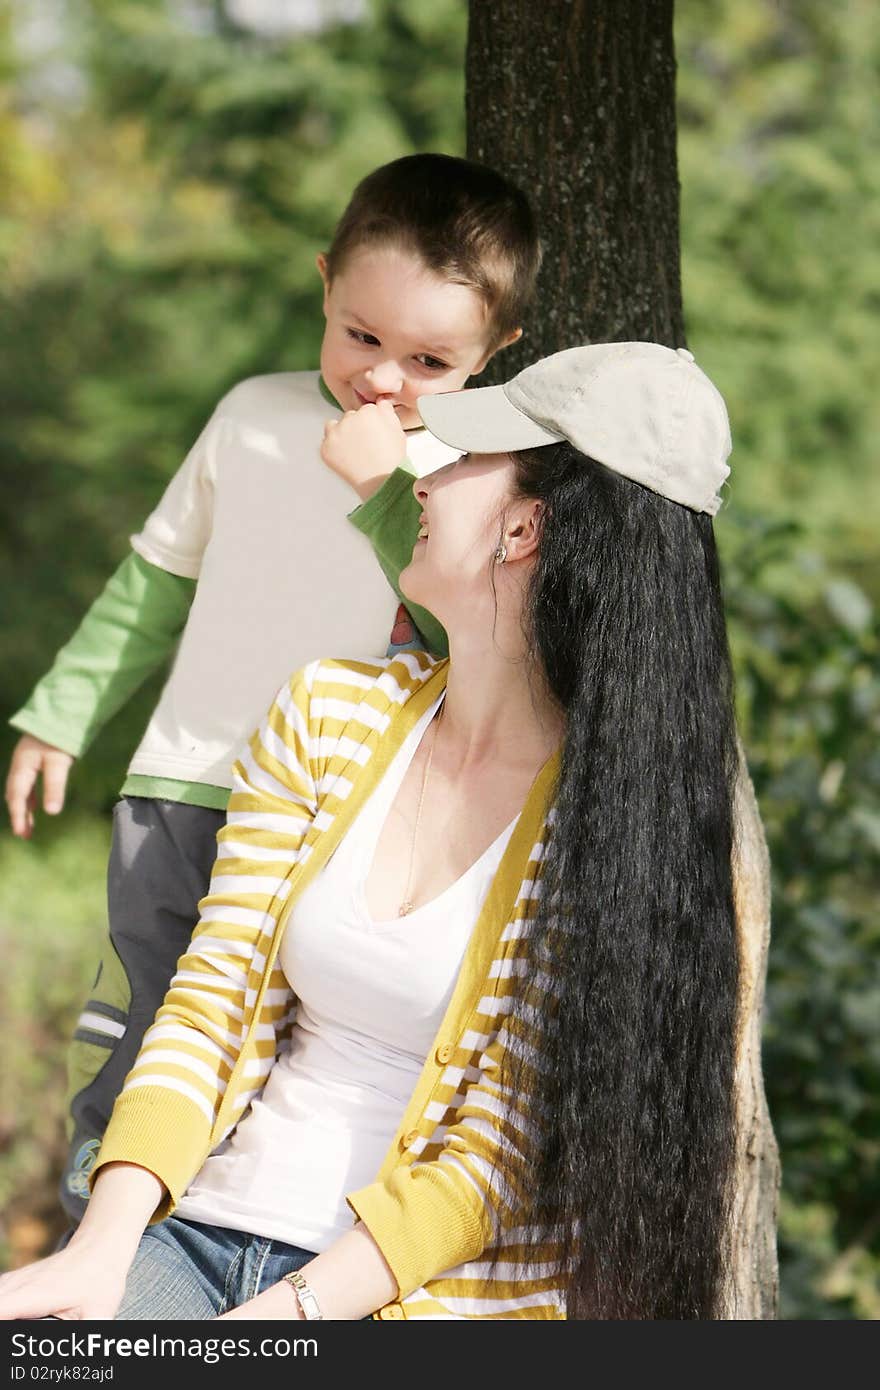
169	172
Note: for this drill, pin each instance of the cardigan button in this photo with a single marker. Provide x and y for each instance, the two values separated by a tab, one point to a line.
409	1138
391	1311
445	1053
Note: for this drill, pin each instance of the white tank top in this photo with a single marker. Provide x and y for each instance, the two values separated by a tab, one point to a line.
371	997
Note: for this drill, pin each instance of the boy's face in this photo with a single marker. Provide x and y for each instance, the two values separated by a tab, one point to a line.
396	331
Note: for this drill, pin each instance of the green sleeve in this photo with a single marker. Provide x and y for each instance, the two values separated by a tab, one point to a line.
129	630
390	521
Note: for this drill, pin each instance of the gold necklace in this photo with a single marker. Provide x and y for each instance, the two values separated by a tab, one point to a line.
407	905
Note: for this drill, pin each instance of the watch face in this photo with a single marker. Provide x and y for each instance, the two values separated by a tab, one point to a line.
307	1301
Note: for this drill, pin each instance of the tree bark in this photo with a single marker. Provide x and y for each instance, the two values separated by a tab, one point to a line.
575	100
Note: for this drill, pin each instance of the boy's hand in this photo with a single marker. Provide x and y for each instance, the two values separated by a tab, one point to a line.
365	446
31	758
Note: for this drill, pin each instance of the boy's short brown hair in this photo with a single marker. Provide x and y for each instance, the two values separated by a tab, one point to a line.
467	222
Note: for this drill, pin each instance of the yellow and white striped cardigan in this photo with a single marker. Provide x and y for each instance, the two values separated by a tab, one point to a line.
443	1225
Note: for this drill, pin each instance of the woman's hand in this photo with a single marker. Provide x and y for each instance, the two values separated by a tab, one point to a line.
87	1278
79	1282
365	446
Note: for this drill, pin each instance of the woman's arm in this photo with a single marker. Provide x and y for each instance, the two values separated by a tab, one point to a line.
350	1281
162	1124
87	1278
426	1218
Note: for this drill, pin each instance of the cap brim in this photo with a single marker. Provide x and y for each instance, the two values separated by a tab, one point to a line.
481	421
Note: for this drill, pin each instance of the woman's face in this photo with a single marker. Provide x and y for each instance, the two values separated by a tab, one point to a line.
463	512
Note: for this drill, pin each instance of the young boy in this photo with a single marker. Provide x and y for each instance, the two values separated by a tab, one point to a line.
250	562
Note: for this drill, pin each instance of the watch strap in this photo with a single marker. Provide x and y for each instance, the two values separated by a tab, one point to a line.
305	1294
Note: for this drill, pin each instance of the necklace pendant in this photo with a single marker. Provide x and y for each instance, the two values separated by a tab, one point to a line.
405	908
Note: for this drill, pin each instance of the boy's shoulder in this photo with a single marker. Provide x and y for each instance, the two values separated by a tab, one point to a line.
276	398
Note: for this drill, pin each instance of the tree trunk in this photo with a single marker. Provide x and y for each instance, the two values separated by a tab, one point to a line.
575	100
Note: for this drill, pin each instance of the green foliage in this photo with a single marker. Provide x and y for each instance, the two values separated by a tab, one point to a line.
169	183
806	648
780	216
777	127
52	921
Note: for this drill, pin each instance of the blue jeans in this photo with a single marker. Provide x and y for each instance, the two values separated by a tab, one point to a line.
189	1272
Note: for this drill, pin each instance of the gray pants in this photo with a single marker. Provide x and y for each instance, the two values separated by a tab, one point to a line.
161	857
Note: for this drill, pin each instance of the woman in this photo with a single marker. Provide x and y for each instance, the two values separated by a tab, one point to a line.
501	889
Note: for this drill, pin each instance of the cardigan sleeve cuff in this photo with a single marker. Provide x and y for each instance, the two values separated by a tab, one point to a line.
423	1221
167	1134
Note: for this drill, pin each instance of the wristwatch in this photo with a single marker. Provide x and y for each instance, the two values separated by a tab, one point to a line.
305	1296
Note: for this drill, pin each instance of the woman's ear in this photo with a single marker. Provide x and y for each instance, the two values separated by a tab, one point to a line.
522	528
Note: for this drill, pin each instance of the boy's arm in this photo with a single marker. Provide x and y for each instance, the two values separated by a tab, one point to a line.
363	448
128	631
390	521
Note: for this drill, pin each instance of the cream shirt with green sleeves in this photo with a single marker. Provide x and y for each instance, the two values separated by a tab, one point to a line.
448	1231
249	550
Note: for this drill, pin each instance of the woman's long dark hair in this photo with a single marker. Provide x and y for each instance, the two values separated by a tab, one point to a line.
631	1113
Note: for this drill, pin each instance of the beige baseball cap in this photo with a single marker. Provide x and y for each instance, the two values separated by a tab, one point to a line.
645	410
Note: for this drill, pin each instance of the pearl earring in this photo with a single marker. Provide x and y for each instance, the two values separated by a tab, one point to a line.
501	554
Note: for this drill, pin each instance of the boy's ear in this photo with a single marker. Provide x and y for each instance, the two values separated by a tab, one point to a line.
321	263
513	337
